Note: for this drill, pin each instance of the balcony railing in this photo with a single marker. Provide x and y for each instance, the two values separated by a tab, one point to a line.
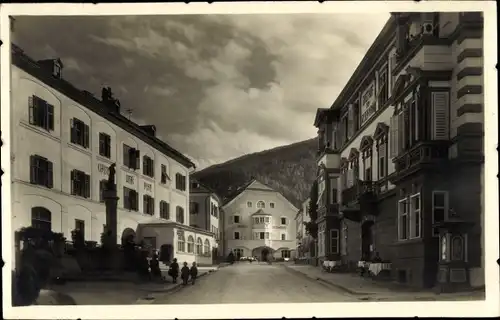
358	191
424	153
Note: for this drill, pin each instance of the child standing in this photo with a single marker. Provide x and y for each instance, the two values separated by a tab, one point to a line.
193	272
185	273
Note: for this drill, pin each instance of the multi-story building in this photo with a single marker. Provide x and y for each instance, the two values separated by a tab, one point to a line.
65	139
400	161
259	221
304	240
205	212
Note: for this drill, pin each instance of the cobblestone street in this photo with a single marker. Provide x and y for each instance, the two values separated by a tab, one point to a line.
254	283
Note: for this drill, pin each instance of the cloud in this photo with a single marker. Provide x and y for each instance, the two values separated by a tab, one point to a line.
215	86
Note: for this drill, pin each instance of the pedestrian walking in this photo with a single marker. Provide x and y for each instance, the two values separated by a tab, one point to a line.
185	274
174	270
154	266
194	272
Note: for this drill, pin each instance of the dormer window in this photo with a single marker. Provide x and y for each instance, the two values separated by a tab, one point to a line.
57	72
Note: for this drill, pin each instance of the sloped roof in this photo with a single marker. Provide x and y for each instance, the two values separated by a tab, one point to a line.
260	212
238	191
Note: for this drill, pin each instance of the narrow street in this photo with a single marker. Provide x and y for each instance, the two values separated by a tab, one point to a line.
253	283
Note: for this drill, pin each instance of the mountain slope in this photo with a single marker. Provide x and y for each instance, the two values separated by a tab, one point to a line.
289	170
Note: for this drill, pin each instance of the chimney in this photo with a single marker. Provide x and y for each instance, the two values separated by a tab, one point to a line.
149	129
109	101
53	66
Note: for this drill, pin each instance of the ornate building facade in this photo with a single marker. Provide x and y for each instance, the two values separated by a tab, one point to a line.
400	165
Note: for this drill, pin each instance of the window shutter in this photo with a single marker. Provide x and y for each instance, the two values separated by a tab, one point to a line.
440	114
73	175
137	159
50	175
50	116
87	186
73	130
31	106
131	158
33	169
86	136
144	203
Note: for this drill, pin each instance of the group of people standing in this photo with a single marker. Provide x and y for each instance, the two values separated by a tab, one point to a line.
185	272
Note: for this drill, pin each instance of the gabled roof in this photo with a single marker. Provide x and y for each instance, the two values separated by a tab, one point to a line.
202	188
254	184
260	212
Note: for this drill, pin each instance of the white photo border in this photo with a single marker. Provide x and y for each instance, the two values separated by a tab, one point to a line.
487	308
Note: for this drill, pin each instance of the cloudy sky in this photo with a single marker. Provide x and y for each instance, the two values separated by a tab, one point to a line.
215	86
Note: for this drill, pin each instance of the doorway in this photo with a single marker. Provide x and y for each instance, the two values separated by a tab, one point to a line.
264	254
366	240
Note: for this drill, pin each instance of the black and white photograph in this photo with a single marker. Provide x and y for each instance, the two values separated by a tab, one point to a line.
231	160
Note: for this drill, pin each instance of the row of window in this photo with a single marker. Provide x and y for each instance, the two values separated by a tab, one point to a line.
41	218
410	214
260	204
202	248
258	236
42	115
258	220
194	208
404	132
42	173
238	252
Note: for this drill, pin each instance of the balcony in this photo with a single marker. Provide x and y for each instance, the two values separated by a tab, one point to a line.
423	155
359	199
329	158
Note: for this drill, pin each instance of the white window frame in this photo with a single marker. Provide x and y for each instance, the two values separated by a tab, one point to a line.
271	205
234	220
412	216
261	205
400	215
249	204
283	235
236	233
336	238
445	208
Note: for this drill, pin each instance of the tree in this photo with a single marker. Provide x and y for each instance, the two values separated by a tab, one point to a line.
312	226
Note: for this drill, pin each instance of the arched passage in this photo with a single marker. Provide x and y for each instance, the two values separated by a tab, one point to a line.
366	240
262	253
128	235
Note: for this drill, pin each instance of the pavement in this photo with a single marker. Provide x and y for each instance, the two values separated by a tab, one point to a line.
366	289
109	290
253	283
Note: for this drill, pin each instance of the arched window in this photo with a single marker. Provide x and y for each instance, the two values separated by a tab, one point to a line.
199	247
261	205
179	214
457	248
181	243
206	248
41	218
190	244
